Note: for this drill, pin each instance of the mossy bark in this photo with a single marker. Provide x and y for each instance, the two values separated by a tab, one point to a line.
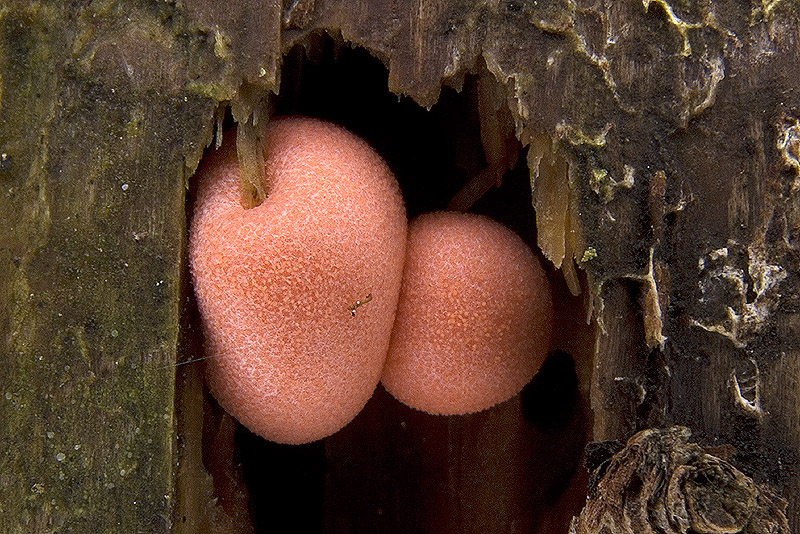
94	139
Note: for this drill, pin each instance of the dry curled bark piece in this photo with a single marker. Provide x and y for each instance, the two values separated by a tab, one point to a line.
661	483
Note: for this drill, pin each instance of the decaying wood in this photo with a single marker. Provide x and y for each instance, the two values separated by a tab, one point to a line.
659	482
91	241
664	162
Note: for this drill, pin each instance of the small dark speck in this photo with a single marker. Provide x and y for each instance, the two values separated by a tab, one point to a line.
91	325
513	7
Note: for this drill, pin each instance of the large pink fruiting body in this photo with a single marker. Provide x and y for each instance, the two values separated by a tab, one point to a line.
275	284
474	317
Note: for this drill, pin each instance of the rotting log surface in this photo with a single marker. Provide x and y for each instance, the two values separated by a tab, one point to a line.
679	123
97	134
659	482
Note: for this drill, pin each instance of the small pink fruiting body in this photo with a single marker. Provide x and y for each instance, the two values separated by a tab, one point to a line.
291	358
474	317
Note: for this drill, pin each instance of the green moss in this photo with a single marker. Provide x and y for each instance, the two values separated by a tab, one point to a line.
213	90
90	273
221	44
133	126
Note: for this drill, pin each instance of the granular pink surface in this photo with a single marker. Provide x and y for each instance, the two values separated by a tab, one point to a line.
474	317
274	283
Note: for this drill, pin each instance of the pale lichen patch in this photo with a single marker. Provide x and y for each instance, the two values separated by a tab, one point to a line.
738	291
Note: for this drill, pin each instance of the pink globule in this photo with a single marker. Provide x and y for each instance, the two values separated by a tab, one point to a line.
298	295
474	318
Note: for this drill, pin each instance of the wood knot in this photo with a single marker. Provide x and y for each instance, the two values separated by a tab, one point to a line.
659	482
